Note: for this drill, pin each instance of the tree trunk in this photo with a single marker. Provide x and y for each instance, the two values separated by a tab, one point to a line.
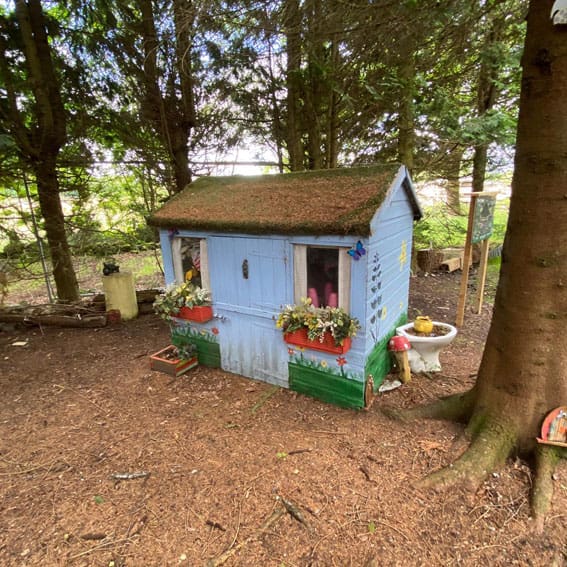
184	19
486	98
332	135
316	67
523	373
179	155
293	81
406	111
41	143
54	220
170	108
453	178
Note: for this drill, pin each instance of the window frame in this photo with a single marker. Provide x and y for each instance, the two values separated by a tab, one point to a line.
178	272
300	273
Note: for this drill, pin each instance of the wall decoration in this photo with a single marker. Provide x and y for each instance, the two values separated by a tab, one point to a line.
321	379
376	307
206	341
554	428
379	362
403	255
357	252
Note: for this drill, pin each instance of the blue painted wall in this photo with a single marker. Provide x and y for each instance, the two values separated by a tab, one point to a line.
389	261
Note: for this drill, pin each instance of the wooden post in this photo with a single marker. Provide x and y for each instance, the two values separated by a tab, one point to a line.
466	264
482	274
483	231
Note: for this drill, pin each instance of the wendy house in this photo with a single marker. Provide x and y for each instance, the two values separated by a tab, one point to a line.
289	260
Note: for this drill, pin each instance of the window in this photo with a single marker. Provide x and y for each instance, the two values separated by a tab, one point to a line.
190	261
323	274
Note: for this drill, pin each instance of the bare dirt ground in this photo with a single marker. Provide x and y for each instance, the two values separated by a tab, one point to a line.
221	451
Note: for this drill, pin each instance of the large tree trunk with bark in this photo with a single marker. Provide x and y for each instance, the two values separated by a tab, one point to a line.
172	117
406	110
54	222
453	180
294	85
40	143
487	92
523	373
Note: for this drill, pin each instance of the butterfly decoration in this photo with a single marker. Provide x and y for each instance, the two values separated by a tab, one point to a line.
357	252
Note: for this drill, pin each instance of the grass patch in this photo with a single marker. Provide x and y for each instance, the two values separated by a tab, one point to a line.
28	284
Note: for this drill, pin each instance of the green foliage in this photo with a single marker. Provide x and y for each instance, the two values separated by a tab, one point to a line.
185	348
177	296
442	228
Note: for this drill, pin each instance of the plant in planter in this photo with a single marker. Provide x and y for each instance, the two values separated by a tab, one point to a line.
175	359
320	328
186	301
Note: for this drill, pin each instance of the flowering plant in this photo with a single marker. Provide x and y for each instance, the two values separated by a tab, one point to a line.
177	296
318	321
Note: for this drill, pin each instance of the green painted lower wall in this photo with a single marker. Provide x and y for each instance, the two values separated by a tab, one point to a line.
208	349
208	353
379	362
326	386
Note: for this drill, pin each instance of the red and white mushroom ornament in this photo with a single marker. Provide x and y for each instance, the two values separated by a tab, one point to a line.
399	346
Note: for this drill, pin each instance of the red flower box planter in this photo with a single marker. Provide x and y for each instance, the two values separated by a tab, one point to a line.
166	360
300	338
199	313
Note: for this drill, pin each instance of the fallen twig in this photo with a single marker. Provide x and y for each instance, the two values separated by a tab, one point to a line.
298	451
80	395
93	536
100	546
326	432
364	470
224	557
265	397
215	525
129	476
292	509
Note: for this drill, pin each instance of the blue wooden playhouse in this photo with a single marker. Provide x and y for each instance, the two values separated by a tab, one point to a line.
259	243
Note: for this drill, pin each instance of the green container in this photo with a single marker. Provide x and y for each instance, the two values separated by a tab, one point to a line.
326	386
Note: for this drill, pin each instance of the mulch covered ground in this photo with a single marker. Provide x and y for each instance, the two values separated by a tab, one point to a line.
223	456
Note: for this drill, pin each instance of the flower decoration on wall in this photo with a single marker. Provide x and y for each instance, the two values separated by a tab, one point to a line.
341	361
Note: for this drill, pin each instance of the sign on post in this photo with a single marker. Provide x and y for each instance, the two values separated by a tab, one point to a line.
481	218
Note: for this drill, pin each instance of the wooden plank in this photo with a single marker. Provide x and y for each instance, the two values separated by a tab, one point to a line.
482	274
452	264
89	321
466	264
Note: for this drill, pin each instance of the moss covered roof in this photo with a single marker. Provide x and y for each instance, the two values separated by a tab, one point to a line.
339	201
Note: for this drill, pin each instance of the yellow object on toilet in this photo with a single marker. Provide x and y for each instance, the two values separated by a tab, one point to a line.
423	325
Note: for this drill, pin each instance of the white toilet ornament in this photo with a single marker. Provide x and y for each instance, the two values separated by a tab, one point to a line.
559	12
424	353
